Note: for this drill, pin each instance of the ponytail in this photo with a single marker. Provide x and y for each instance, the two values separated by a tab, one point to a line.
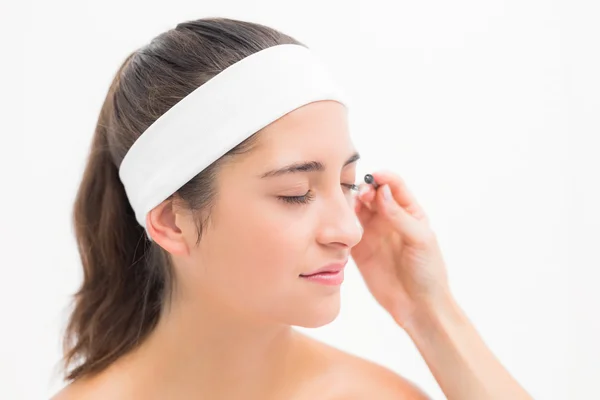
119	300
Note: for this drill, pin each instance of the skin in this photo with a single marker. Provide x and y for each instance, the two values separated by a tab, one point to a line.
228	333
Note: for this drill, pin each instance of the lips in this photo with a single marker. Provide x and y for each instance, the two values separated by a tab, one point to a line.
320	273
333	268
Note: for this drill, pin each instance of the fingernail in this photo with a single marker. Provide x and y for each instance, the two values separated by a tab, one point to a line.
363	190
387	194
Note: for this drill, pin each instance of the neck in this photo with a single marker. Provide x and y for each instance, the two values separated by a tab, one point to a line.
214	351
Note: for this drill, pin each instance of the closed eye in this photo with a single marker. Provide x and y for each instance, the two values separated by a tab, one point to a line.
351	186
309	196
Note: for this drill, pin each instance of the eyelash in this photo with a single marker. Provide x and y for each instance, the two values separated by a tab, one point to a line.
309	196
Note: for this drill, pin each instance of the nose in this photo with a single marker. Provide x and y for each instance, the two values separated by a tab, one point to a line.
338	221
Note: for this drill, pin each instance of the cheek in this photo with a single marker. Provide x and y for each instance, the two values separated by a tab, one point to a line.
259	249
256	266
273	240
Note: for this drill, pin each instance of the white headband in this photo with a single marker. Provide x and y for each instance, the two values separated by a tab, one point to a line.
219	115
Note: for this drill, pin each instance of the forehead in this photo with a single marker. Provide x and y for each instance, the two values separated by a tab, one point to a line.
308	130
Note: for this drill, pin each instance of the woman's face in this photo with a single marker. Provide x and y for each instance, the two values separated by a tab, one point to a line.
266	229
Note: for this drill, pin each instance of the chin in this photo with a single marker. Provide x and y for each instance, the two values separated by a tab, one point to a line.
320	312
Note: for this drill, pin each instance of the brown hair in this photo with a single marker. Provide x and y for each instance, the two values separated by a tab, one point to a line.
127	278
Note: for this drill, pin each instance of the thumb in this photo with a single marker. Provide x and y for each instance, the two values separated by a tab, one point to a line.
409	228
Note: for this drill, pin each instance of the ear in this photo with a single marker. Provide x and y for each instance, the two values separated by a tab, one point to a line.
164	225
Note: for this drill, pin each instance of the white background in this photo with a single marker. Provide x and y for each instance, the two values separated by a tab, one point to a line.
489	110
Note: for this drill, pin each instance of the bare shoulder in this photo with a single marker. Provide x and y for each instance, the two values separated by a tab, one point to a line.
359	378
83	389
374	378
68	392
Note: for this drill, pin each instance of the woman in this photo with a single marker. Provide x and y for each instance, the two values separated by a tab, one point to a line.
204	239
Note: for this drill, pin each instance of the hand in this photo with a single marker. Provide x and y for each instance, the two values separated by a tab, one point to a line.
398	256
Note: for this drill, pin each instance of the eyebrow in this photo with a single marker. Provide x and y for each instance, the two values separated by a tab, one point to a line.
306	166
